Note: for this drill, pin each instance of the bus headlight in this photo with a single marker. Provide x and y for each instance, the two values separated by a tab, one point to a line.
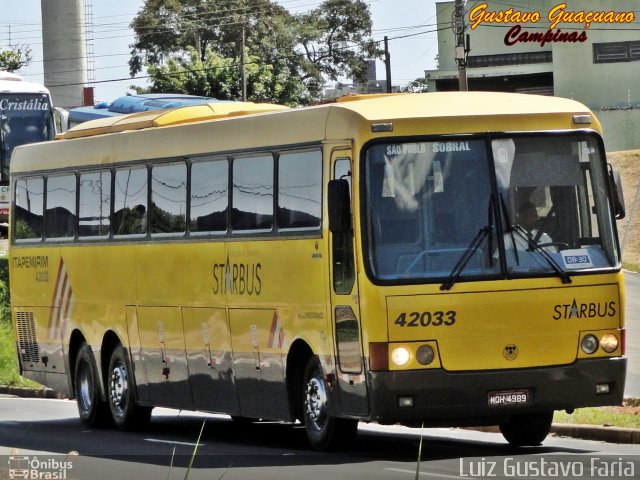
400	356
589	344
425	354
609	343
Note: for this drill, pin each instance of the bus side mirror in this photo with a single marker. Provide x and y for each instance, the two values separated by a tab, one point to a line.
339	202
616	191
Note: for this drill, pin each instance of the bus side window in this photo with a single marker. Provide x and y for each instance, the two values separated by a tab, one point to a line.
299	190
252	194
209	200
29	203
95	204
60	215
130	202
342	242
169	199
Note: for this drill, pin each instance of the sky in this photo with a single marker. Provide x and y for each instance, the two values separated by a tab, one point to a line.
20	23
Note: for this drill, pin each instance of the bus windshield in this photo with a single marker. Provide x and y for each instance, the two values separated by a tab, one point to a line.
24	118
473	208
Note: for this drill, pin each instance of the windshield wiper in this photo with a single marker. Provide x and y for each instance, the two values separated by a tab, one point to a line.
533	246
483	233
464	259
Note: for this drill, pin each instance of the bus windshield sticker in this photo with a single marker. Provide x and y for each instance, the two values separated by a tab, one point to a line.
577	258
438	180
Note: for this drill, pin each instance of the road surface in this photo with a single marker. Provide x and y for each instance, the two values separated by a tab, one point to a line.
47	430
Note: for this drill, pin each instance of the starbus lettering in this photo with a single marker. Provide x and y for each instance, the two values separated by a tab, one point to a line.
584	310
237	278
33	104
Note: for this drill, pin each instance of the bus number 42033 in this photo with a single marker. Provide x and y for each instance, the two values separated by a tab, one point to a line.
426	319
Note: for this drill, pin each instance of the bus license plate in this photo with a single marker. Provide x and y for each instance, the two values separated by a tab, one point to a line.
510	397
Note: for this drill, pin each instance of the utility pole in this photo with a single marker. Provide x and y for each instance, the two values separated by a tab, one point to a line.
387	63
462	49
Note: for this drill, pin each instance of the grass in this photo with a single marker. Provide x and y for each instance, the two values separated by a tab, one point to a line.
625	417
8	363
9	374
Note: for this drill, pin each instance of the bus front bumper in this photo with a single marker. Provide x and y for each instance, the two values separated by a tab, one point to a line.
441	398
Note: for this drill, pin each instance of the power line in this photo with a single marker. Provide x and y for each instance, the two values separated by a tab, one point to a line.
229	20
233	65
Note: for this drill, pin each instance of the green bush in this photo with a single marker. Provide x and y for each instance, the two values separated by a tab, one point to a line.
5	302
8	362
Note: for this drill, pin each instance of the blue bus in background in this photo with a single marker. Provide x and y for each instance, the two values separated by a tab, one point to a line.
135	103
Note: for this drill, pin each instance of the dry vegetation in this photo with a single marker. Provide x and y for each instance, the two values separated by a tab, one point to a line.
628	164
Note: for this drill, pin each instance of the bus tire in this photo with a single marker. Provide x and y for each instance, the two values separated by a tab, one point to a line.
527	429
126	414
86	387
324	431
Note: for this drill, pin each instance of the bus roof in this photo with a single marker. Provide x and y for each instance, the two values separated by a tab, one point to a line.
458	104
166	117
12	83
221	127
369	107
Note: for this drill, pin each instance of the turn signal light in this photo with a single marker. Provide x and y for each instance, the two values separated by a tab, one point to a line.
609	343
379	356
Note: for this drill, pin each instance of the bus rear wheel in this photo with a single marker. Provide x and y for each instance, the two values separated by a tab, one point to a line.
527	429
324	431
93	411
126	414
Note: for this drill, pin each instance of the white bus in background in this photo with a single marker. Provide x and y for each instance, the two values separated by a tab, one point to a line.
26	116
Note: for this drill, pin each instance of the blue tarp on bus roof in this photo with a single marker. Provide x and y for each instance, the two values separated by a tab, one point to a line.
137	103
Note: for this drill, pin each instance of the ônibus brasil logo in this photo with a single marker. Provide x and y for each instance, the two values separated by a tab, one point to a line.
23	466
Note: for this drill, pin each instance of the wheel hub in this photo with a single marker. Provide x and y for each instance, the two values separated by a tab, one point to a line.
316	402
118	388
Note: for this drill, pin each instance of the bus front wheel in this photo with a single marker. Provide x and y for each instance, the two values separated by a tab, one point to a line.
528	429
126	414
93	411
324	431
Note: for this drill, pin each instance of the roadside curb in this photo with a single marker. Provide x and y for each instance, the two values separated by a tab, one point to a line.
29	392
585	432
597	432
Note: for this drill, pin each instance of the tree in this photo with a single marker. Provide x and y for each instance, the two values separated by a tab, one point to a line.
336	39
15	58
288	57
219	77
419	85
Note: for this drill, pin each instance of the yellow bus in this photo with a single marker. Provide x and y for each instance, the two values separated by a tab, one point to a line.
440	259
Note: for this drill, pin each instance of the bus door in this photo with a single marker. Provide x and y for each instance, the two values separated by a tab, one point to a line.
351	375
